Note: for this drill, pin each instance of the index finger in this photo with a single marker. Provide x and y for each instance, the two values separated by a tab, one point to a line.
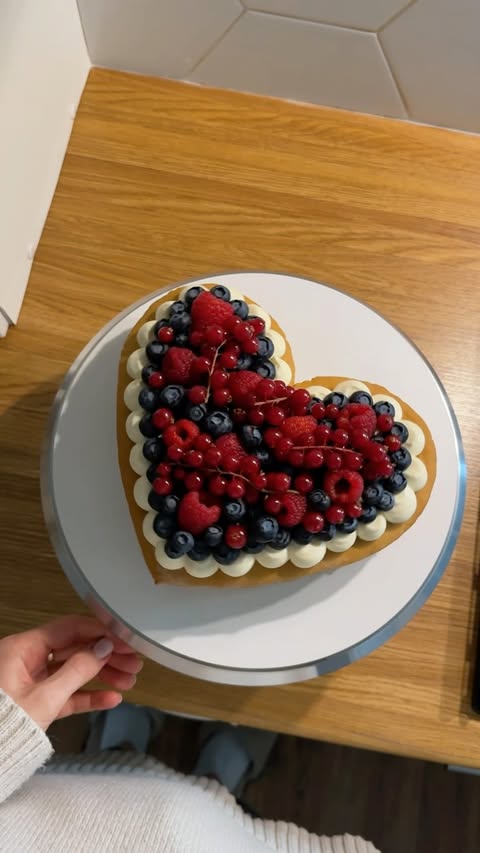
66	631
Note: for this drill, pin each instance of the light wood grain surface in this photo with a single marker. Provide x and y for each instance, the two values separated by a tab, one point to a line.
164	181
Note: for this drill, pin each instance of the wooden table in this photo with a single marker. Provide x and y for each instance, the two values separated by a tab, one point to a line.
164	181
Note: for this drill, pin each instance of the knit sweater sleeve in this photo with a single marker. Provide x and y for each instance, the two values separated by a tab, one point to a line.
24	747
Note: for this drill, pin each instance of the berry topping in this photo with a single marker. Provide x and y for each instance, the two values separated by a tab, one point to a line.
208	310
195	516
297	427
343	486
293	509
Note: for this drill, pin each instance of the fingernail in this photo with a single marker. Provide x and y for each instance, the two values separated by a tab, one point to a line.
102	648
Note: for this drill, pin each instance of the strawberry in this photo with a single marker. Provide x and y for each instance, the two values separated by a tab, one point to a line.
298	425
241	383
293	509
208	310
229	445
195	516
177	365
360	417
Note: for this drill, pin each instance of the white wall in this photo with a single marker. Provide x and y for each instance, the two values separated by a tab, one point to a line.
43	67
417	59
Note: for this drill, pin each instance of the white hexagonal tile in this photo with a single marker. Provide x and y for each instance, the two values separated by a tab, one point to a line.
154	36
434	51
361	14
310	62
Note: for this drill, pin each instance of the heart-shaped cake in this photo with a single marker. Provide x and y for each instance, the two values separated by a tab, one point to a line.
236	476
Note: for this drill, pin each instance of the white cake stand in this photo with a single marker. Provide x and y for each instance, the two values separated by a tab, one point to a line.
272	634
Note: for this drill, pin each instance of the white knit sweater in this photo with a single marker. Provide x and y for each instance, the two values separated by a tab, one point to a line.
115	804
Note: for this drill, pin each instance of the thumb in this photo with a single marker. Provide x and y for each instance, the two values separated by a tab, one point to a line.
80	668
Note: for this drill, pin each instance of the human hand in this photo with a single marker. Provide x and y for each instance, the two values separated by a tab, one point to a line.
44	669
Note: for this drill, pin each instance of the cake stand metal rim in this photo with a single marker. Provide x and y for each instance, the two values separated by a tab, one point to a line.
211	671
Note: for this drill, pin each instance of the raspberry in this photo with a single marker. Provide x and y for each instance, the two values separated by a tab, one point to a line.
296	426
343	486
177	365
361	417
182	433
194	516
229	445
208	310
293	509
242	383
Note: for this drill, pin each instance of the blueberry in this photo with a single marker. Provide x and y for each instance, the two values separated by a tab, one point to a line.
178	307
156	351
147	428
386	502
252	437
221	292
213	535
300	535
372	494
335	397
172	395
147	372
265	346
244	361
192	294
240	308
265	458
369	514
170	504
326	422
265	369
395	483
234	510
153	449
253	547
163	525
180	322
225	555
401	459
312	402
266	528
160	324
148	399
319	500
155	501
152	472
218	423
196	413
282	539
181	340
327	534
384	408
200	551
350	524
362	397
180	543
400	430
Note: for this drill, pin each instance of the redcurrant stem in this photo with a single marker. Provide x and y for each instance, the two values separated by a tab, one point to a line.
210	373
326	447
269	402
